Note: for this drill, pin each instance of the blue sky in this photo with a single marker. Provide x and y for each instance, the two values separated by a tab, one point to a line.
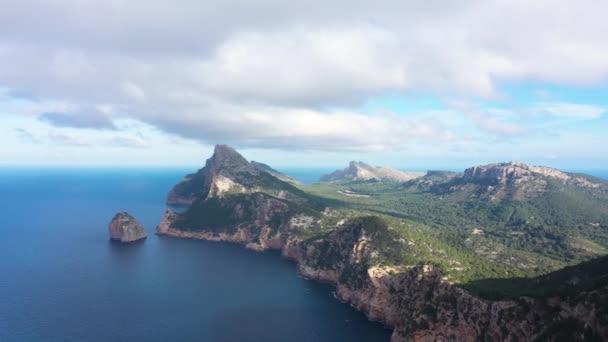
398	83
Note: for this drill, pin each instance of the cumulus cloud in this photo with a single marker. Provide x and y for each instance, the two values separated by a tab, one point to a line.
276	74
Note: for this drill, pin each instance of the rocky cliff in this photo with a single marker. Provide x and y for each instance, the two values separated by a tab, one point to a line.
417	300
362	171
505	181
225	171
366	260
125	228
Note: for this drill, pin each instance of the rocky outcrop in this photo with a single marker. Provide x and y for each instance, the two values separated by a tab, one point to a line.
505	181
530	178
225	171
361	171
125	228
222	172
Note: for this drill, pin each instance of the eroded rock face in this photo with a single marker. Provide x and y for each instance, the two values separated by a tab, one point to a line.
125	228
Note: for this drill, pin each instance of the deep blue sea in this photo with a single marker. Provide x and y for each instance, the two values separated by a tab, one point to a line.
61	279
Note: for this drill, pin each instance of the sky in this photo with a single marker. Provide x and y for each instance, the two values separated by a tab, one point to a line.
409	84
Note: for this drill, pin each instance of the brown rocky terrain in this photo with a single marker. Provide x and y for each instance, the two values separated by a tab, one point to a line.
125	228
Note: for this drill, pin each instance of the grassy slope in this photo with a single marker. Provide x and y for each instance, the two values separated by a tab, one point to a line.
519	239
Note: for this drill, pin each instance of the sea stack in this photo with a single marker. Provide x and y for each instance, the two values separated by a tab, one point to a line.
125	228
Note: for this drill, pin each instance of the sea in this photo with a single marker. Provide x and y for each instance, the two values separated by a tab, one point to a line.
62	279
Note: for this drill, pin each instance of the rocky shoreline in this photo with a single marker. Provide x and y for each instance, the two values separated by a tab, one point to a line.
362	256
291	249
416	301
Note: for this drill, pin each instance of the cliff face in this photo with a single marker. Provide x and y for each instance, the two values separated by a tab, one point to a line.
125	228
519	180
505	181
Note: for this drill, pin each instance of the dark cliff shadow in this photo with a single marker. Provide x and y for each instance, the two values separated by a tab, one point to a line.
569	281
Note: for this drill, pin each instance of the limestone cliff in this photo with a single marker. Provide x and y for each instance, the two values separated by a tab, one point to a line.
505	181
125	228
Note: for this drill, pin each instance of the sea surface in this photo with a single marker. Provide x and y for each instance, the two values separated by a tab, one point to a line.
61	279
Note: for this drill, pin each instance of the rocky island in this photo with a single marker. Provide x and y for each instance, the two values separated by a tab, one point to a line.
502	252
125	228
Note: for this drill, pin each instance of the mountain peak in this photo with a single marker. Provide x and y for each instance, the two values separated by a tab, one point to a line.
511	171
227	171
225	156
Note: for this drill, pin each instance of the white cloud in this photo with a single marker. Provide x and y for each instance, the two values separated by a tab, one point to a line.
286	75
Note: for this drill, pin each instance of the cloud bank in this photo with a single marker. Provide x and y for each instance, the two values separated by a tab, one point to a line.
288	75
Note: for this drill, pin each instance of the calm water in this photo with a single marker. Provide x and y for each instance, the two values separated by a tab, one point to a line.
63	280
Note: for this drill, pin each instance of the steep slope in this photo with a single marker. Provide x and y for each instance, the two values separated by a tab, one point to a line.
361	171
363	258
275	173
234	200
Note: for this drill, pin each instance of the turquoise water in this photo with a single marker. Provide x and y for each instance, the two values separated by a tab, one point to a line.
63	280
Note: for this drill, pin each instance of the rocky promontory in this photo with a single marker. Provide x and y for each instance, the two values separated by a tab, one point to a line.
125	228
377	264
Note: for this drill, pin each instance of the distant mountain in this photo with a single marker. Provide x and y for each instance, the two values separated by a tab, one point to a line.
362	171
507	181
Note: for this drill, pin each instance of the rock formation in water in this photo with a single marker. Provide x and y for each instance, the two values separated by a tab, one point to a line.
125	228
362	171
